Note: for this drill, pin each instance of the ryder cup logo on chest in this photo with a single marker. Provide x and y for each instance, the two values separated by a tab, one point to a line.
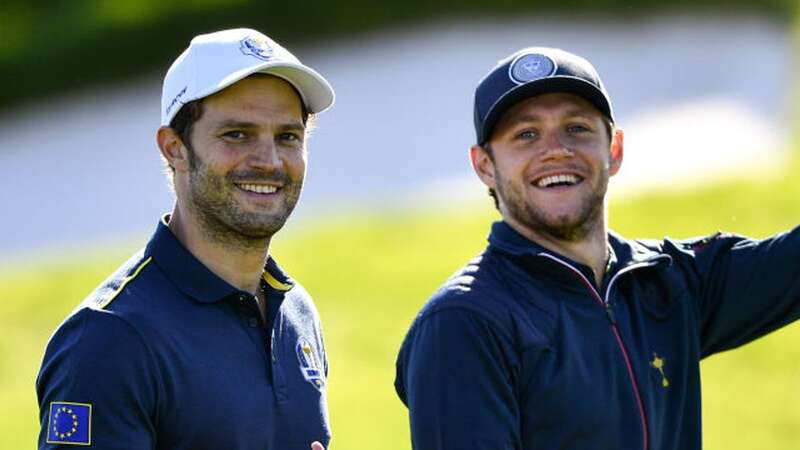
256	46
531	66
310	364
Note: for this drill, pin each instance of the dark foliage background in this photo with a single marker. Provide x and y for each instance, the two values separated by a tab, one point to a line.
51	46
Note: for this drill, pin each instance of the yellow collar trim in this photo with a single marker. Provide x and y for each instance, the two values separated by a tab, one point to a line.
124	283
274	283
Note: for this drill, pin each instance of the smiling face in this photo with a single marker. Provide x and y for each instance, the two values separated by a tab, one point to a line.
549	160
246	161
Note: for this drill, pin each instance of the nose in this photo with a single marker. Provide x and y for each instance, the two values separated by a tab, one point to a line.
555	147
265	155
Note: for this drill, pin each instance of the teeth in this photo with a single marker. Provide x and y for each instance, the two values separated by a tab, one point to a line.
554	179
258	188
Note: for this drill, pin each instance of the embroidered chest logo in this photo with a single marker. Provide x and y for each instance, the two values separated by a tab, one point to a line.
70	423
658	363
310	364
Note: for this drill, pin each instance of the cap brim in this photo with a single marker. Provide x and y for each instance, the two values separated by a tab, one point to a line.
566	84
317	94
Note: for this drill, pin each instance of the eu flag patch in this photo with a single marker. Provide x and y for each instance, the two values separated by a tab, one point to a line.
70	423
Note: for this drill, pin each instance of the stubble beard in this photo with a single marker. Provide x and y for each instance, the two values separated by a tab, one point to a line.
225	221
562	228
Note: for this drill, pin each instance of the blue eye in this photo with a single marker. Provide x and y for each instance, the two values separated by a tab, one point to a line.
578	129
528	134
290	138
237	135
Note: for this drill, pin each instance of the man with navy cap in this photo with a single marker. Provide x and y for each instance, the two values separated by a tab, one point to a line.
562	334
200	340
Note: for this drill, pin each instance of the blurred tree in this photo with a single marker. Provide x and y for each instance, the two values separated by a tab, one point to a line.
54	45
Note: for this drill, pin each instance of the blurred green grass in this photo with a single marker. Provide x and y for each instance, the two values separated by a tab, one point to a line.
371	271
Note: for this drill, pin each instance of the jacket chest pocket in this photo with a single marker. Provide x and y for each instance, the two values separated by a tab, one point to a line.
661	297
662	313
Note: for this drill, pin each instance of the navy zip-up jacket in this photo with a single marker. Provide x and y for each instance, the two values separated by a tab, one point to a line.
521	350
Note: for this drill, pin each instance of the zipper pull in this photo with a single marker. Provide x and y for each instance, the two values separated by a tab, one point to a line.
610	314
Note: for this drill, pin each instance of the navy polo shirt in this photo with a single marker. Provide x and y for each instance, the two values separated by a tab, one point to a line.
167	355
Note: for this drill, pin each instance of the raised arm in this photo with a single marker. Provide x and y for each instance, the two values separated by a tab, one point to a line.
747	288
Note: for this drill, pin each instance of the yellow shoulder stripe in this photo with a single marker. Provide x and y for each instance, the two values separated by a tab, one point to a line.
124	283
274	283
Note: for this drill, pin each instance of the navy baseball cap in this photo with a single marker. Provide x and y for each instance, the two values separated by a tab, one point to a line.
530	72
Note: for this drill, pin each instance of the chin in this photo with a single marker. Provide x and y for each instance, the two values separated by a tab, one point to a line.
569	231
262	230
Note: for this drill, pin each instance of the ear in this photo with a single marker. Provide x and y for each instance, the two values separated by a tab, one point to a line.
617	151
483	165
172	149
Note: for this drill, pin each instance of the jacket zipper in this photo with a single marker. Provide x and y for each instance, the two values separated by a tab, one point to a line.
612	320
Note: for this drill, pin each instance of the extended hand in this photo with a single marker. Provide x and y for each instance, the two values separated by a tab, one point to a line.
317	446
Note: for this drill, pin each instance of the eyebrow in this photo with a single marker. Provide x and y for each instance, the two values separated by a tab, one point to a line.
290	126
516	120
526	118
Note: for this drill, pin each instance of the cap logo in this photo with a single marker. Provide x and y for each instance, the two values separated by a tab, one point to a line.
531	67
256	46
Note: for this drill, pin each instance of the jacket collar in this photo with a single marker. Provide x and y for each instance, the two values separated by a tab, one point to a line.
622	252
508	240
193	278
630	253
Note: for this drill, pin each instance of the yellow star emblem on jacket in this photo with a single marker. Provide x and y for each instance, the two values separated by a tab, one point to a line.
658	363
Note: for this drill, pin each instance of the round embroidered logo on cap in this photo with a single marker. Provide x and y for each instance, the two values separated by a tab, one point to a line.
531	67
257	47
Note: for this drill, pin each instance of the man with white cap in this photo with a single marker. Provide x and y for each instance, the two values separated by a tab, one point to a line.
200	340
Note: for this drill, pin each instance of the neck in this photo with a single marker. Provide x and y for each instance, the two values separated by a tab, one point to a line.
241	266
590	249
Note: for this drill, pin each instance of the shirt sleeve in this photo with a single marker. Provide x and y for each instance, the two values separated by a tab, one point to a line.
748	288
96	386
455	378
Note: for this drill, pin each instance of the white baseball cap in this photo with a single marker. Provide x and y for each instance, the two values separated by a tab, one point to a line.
215	61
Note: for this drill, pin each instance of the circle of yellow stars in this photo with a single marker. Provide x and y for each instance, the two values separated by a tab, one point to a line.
73	416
